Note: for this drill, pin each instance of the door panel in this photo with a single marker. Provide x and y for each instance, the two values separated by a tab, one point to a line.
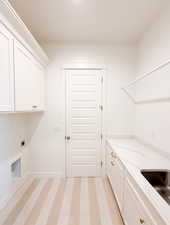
83	99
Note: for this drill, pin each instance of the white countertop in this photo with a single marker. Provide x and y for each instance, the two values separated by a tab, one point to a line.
136	157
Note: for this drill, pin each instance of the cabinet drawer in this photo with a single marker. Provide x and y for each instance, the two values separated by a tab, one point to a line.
135	212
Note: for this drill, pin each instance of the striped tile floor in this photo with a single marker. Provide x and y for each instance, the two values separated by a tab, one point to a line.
73	201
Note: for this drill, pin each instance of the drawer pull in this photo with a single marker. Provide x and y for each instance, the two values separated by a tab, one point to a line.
112	163
142	221
34	106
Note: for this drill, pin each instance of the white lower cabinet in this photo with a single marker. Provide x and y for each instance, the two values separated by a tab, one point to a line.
133	208
135	212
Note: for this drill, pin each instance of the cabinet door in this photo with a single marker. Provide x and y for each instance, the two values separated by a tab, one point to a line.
28	81
135	212
6	70
118	181
108	162
24	83
115	172
38	87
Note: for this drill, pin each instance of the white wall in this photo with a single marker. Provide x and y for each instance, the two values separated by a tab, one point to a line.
48	129
13	129
153	120
12	132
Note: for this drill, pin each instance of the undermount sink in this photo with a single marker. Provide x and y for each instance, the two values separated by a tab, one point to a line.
160	180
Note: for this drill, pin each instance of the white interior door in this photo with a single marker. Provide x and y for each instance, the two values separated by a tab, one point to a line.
83	122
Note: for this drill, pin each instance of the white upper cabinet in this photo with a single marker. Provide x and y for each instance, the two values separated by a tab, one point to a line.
29	78
6	70
38	87
21	76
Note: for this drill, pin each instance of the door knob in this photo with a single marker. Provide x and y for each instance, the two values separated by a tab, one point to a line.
67	138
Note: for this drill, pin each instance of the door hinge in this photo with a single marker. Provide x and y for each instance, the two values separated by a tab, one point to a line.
101	163
101	107
101	136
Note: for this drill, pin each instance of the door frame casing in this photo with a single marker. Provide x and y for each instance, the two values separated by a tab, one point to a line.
102	69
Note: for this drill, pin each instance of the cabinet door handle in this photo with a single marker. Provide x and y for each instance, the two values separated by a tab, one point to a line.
142	221
112	163
34	106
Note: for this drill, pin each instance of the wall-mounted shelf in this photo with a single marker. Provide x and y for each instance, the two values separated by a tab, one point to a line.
152	87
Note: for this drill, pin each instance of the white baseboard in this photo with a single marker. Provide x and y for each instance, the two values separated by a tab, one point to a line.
47	174
120	136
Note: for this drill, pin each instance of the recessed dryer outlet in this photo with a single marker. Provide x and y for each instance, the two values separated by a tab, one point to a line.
16	168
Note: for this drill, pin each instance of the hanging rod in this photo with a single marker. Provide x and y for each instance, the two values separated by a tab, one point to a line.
153	100
147	74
